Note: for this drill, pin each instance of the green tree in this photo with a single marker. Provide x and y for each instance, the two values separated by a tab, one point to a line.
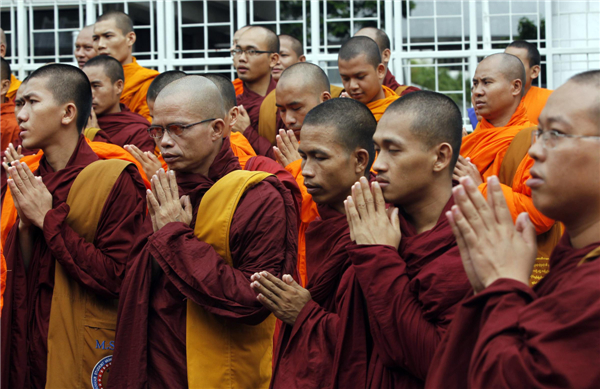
528	30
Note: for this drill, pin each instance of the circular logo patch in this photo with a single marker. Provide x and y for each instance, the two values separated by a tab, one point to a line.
100	371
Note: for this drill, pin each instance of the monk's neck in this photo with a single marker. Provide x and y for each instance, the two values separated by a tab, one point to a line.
115	109
3	99
380	95
260	86
128	60
584	234
503	118
59	153
527	88
425	213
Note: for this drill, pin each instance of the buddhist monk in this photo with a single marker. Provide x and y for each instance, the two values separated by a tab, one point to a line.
114	119
383	42
493	148
14	82
158	83
257	53
405	258
191	269
362	72
237	83
77	219
8	121
84	46
505	333
535	97
114	36
290	52
337	149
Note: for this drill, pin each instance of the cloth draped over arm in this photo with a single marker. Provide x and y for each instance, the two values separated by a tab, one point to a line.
137	82
9	127
535	101
378	107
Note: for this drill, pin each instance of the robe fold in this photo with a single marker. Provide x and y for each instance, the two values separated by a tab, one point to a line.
329	344
14	86
137	82
535	101
99	267
9	127
512	336
411	296
487	146
252	102
401	90
126	128
378	107
239	86
241	148
150	347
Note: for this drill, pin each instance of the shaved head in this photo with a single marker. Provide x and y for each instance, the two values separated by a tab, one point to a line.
2	37
226	88
5	69
239	33
360	45
533	55
161	81
295	44
591	81
122	20
110	66
509	66
306	76
200	94
378	35
270	39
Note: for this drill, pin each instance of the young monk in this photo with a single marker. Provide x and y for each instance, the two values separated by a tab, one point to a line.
176	318
114	36
362	72
237	83
535	97
497	92
14	82
114	119
405	258
8	121
508	335
383	42
77	219
290	52
337	149
84	46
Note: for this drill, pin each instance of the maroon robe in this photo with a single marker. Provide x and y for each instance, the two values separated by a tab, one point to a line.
329	344
512	336
150	347
390	82
99	267
252	102
411	295
126	128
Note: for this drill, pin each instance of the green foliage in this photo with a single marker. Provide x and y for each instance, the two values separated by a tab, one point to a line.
424	77
528	30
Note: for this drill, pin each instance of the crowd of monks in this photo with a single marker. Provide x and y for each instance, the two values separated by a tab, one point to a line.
186	231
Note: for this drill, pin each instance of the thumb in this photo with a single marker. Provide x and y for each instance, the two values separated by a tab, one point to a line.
288	279
525	228
395	219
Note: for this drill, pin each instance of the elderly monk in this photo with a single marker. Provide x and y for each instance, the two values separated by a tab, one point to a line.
67	252
337	149
383	42
190	275
115	121
405	258
290	52
114	36
8	121
507	334
84	46
493	148
535	97
14	82
237	83
362	72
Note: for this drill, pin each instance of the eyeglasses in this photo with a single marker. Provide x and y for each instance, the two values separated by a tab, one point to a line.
550	138
249	52
174	129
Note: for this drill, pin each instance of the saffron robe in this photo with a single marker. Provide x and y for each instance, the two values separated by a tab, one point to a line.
8	124
14	86
378	107
151	331
401	90
487	146
239	86
329	344
241	148
126	128
99	267
535	101
411	296
137	82
512	336
252	102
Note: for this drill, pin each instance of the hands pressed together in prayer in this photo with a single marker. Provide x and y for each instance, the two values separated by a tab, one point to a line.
491	246
286	150
369	221
164	204
147	159
242	122
285	298
11	154
30	196
465	168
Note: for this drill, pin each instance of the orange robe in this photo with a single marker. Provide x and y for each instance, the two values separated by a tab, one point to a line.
535	101
486	146
137	82
239	86
2	278
14	85
8	124
378	107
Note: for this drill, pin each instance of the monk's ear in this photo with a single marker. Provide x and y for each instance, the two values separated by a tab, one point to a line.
361	157
218	127
119	87
386	55
325	96
130	38
5	87
517	87
274	60
302	58
2	50
535	72
69	114
233	116
443	157
381	71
